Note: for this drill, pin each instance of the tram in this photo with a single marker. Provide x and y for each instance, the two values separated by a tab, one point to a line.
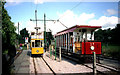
37	43
79	39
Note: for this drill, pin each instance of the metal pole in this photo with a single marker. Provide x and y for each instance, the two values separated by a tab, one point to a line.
50	51
60	53
44	32
36	22
36	17
24	36
94	64
55	48
18	33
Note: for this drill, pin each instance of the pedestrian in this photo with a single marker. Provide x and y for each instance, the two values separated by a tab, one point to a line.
20	46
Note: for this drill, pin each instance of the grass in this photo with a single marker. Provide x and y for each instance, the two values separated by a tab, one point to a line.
111	51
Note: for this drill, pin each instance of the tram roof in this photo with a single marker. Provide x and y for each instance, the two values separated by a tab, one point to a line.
71	29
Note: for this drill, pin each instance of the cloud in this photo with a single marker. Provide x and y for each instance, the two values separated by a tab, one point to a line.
13	2
69	18
110	12
38	1
30	26
105	22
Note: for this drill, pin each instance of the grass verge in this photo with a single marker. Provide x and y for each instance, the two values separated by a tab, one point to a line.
111	51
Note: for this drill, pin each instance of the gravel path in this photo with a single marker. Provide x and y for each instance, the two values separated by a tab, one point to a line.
68	66
65	66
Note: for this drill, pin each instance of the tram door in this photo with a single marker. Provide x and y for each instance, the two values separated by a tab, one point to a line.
80	36
77	43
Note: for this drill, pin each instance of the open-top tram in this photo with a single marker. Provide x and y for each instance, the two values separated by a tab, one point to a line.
79	39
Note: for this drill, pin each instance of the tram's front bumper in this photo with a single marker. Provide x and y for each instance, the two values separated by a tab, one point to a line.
37	50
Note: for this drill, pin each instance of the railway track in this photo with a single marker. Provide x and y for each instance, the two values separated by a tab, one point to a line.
111	70
115	63
34	66
49	66
40	68
108	67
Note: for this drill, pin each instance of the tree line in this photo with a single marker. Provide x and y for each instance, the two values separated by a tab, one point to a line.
8	40
111	36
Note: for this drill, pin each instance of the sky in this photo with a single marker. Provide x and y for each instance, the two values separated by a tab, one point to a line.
68	12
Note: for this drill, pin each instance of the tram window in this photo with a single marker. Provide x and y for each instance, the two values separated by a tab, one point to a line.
78	38
37	43
41	44
32	44
75	38
83	30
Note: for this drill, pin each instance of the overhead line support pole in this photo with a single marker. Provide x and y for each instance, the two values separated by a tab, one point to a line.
45	32
44	26
18	33
94	64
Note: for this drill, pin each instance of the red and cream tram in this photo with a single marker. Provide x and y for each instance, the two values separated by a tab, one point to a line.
79	39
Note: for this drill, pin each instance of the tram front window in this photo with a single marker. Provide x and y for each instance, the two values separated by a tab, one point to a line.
37	43
41	43
32	44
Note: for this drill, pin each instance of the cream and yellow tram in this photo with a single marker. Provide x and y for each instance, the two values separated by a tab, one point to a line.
37	44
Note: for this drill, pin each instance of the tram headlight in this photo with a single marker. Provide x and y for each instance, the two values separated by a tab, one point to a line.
92	47
37	51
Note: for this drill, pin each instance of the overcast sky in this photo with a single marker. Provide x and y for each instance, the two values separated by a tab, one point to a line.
69	12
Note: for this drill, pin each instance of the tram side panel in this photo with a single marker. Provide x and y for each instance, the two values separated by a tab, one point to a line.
85	47
90	47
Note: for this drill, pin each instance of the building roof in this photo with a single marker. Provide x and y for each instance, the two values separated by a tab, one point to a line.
71	29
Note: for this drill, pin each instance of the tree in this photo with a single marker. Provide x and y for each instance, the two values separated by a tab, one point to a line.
108	35
8	29
23	33
49	37
8	39
99	35
115	34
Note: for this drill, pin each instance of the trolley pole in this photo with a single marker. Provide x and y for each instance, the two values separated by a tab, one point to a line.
60	53
55	48
94	64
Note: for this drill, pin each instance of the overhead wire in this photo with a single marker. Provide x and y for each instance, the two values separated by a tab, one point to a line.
58	21
70	9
